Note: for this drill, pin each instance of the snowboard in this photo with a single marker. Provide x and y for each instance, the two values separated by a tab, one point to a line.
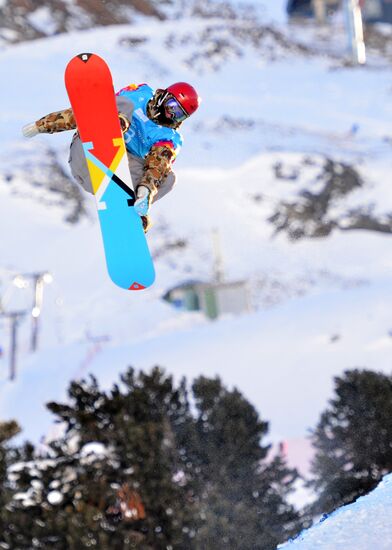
90	90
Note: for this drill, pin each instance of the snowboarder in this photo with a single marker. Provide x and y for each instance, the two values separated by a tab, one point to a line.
150	122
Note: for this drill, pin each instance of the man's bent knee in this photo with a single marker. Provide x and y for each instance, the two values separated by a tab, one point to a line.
166	186
78	164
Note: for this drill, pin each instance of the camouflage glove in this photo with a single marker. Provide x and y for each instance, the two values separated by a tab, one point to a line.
30	130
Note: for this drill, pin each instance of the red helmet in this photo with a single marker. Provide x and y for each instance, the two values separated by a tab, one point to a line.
186	96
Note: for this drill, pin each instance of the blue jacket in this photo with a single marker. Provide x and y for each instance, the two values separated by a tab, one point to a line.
143	133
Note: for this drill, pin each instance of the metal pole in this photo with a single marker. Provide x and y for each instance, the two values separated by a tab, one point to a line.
354	28
218	261
320	11
38	281
359	36
36	311
14	317
34	334
14	346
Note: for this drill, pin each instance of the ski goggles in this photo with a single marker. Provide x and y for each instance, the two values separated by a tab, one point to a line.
174	110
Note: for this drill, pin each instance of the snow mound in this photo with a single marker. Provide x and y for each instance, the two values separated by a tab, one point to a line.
363	525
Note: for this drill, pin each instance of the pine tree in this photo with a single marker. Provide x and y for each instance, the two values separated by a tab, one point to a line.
7	455
122	496
7	431
242	494
149	465
353	439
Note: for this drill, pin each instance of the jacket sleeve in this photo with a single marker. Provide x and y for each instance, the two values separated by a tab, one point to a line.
157	167
125	106
56	122
61	121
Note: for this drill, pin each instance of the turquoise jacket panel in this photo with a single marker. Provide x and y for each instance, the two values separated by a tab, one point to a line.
143	133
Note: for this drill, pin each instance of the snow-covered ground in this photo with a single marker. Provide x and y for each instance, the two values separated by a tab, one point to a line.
363	525
337	290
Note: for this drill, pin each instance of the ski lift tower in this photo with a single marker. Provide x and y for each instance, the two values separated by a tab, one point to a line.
39	280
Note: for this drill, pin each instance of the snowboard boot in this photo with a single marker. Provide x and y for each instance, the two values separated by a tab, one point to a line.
146	221
143	200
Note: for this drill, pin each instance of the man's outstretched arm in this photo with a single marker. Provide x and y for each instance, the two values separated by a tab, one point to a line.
59	121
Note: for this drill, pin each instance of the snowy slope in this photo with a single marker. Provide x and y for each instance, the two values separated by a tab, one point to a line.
320	335
363	525
332	294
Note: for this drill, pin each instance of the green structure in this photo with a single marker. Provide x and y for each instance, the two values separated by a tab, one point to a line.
213	299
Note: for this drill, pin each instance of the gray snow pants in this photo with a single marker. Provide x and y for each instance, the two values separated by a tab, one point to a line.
78	164
79	170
